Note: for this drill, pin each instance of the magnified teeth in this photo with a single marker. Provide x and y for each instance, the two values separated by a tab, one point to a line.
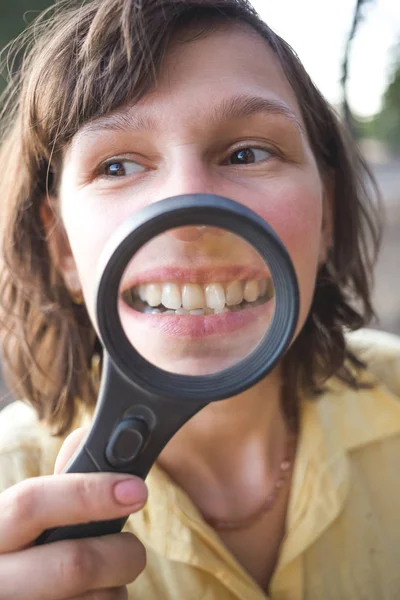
153	294
262	286
221	310
234	293
251	290
142	292
152	311
171	295
192	296
198	299
215	295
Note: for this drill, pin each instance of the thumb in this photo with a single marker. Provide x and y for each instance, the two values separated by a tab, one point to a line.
68	448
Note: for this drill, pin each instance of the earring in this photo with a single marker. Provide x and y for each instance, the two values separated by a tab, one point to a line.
76	296
74	287
95	369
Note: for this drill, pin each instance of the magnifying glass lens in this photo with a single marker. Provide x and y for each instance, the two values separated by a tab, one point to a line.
196	300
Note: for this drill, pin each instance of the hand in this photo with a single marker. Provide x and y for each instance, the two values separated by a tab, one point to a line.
85	569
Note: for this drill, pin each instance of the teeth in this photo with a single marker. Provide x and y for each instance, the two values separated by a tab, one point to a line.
152	311
234	293
192	296
215	295
142	292
251	290
171	296
263	286
221	310
153	294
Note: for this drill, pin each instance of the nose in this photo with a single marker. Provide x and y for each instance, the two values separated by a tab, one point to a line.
190	174
195	233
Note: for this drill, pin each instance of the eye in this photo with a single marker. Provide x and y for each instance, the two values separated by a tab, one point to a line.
120	168
248	156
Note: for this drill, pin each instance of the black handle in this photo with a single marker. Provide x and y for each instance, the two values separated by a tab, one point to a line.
84	530
129	430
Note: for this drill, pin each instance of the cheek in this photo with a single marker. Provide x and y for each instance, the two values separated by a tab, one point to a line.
295	213
88	230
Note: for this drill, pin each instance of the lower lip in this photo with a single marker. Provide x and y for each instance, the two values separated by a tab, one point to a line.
197	326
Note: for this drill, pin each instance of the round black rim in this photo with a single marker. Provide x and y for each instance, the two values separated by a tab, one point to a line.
196	209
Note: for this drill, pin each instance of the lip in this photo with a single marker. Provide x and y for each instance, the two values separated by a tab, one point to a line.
196	326
217	274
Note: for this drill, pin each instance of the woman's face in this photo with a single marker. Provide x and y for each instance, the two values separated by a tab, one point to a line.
223	120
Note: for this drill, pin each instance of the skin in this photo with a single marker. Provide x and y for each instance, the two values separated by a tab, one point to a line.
186	146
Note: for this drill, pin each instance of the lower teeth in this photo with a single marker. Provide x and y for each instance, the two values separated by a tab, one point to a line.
161	310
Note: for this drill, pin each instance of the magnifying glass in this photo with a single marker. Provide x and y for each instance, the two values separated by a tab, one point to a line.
197	300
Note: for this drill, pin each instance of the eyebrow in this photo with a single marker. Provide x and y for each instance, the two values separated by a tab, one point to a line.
237	107
240	107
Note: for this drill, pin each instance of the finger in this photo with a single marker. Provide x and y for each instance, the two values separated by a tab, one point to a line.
72	568
120	593
39	503
70	445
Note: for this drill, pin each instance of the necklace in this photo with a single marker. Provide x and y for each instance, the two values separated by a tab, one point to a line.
284	470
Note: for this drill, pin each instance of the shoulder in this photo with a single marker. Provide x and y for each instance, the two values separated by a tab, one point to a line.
348	477
26	447
18	425
381	353
370	413
376	461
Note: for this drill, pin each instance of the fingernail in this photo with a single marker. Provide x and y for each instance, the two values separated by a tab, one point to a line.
131	492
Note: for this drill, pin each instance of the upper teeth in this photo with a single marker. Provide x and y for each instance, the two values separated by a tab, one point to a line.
191	296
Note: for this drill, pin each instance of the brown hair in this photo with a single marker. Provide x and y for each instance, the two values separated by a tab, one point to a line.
82	62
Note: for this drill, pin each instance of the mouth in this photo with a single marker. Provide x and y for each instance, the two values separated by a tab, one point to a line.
196	299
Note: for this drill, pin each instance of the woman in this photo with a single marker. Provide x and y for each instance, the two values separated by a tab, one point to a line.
288	490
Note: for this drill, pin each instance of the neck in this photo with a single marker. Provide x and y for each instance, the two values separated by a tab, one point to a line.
235	444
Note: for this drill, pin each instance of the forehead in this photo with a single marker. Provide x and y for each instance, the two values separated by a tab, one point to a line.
231	53
203	75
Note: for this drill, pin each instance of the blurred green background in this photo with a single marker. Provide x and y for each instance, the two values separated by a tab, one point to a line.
14	16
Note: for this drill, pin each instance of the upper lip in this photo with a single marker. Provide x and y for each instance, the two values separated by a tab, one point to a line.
201	275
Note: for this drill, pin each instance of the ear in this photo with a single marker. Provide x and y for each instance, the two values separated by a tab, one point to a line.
59	248
327	228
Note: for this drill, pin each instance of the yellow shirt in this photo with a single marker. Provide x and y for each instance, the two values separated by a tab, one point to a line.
343	521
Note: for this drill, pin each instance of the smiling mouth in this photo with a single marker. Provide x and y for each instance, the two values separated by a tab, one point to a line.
170	298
